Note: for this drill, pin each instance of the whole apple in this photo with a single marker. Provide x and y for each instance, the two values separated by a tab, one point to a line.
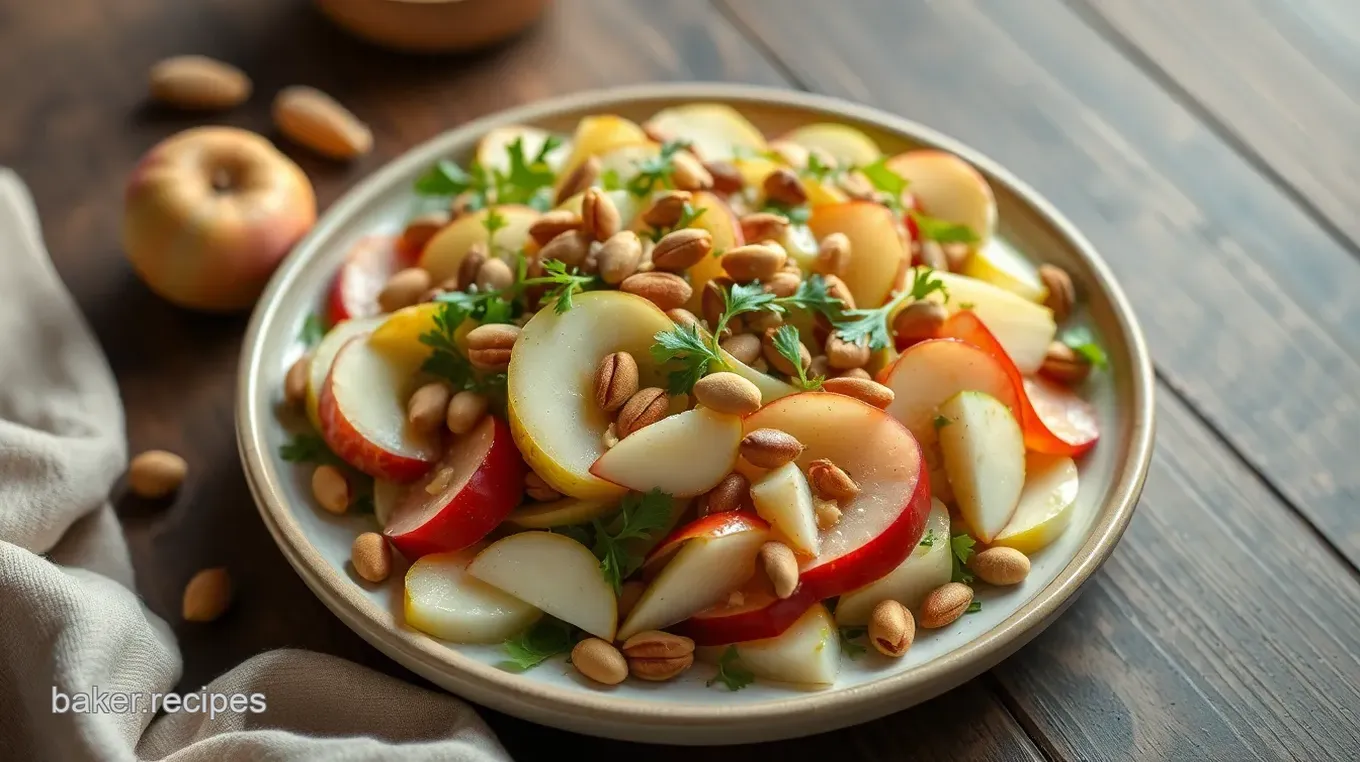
209	213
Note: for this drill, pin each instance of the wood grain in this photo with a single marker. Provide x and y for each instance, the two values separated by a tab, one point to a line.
1247	304
1279	77
75	133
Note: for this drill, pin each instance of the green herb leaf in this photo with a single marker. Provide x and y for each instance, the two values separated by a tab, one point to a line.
961	548
655	171
730	671
848	645
610	180
688	216
787	344
941	422
578	532
312	330
796	215
309	448
928	540
884	178
639	517
812	296
526	178
493	221
1081	340
815	168
445	359
684	345
446	178
942	231
872	324
973	607
546	639
565	284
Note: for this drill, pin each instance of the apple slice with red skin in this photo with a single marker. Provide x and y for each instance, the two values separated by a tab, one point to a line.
695	567
1067	425
367	267
472	489
363	415
878	529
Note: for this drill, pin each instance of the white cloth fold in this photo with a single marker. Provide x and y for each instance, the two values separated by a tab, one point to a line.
71	623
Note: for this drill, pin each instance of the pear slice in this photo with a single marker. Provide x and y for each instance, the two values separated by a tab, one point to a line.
783	498
554	573
984	455
684	455
443	601
1045	507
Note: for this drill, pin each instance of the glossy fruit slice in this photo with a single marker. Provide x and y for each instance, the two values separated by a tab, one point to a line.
443	601
1001	265
1046	504
929	566
398	337
554	573
324	356
948	188
878	250
847	145
1022	328
682	455
568	511
783	498
553	414
717	218
984	455
598	134
477	483
363	415
700	564
1066	412
716	131
445	252
807	653
354	292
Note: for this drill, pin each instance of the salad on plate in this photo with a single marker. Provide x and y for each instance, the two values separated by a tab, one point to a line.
658	393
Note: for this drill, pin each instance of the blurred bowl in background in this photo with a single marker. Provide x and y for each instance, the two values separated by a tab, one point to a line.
433	26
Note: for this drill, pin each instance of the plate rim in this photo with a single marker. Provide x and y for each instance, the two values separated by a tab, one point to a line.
602	713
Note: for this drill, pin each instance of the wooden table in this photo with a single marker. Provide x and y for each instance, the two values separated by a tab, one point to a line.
1207	147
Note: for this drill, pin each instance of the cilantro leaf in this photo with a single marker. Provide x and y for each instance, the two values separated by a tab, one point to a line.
796	215
685	345
812	296
312	330
961	547
493	221
546	639
872	324
940	422
730	671
526	178
309	448
1080	339
884	178
639	516
848	645
815	168
446	178
564	284
928	540
973	607
942	231
446	359
656	171
787	344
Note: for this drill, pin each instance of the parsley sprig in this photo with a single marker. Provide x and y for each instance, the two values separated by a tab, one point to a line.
688	216
928	540
961	548
309	448
930	228
786	343
693	352
565	284
446	360
872	324
730	672
1083	342
639	516
546	639
942	231
528	180
885	179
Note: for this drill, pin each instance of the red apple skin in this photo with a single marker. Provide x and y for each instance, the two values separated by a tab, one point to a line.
354	292
493	489
713	526
346	441
967	327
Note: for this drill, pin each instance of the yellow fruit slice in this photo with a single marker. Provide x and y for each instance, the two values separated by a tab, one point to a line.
598	134
847	145
1000	265
1046	502
558	513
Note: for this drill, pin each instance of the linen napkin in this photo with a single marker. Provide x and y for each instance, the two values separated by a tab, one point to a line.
72	627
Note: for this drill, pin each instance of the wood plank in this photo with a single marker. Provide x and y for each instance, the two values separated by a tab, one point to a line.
75	133
1282	78
1247	304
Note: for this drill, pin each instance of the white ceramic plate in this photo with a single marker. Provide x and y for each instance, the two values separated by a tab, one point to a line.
686	711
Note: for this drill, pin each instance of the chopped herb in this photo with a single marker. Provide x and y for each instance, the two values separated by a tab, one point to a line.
973	607
796	215
639	516
684	344
884	178
730	671
872	324
786	343
445	359
942	231
493	221
961	547
610	180
312	330
564	284
816	169
1080	339
656	171
941	422
928	540
528	181
848	636
309	448
546	639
